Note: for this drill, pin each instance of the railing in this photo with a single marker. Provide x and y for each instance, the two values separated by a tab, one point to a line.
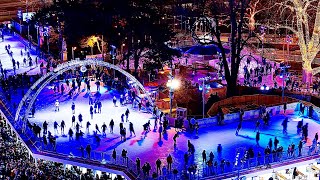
255	164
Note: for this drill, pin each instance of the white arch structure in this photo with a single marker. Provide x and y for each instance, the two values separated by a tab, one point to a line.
31	95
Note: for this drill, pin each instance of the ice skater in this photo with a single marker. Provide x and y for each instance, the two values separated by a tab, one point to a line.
73	108
111	124
285	125
97	129
114	100
127	114
56	104
104	128
131	129
55	126
239	128
62	125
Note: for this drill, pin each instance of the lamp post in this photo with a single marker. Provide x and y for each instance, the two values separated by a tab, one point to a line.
73	48
203	79
172	84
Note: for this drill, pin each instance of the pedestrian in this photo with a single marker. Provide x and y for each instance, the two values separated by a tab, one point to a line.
73	107
111	124
56	105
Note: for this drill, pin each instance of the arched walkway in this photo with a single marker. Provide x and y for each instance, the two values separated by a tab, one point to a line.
32	94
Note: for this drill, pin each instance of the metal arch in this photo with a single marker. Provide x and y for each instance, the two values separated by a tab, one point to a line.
26	96
67	66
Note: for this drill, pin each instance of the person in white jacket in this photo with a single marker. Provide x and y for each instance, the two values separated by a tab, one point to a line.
56	104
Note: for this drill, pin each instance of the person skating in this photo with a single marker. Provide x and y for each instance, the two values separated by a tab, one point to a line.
160	131
175	139
258	138
204	156
169	162
238	128
87	126
80	118
285	125
158	164
88	149
284	108
299	126
131	129
70	134
122	117
56	104
111	124
257	126
127	114
114	100
73	121
270	143
45	127
138	163
91	112
99	106
276	142
104	128
55	126
73	108
114	155
62	125
97	129
77	128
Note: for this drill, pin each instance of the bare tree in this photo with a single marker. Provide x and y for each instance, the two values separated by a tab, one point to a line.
234	11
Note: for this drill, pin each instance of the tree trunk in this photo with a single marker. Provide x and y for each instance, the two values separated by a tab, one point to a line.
232	87
307	72
307	76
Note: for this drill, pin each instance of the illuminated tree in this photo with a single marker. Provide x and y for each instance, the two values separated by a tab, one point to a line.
305	17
